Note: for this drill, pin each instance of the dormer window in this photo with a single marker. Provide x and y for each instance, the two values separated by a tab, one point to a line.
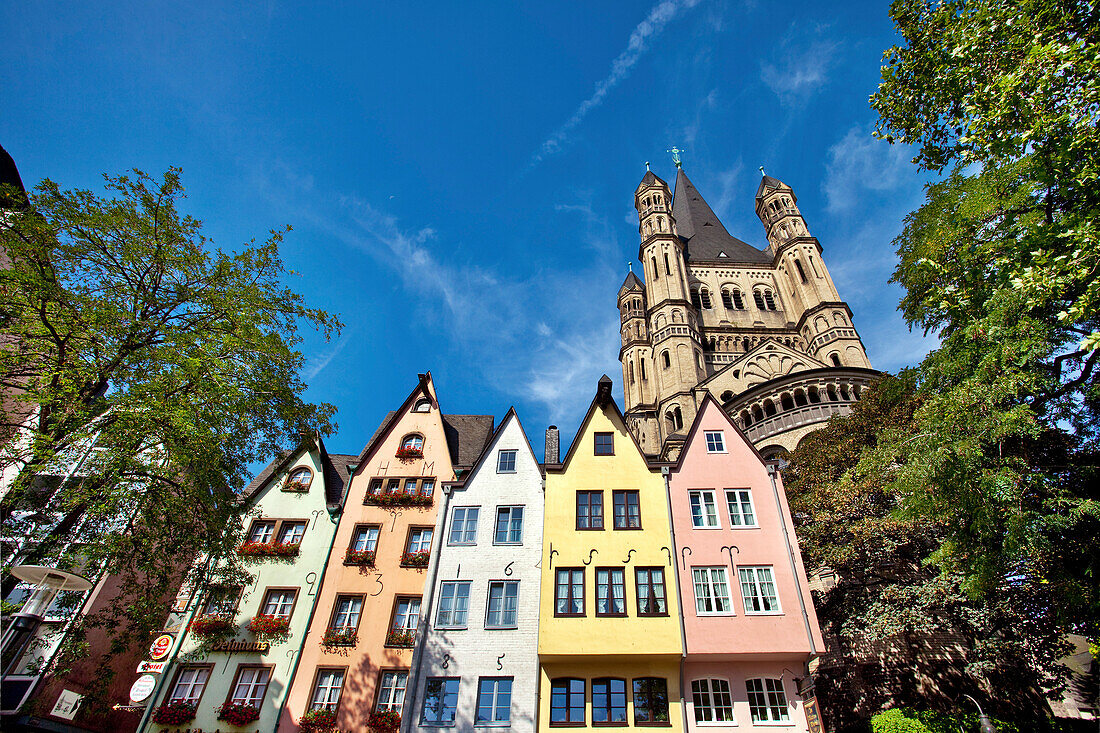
298	480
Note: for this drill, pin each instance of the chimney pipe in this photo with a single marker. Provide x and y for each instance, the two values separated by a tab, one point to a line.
551	455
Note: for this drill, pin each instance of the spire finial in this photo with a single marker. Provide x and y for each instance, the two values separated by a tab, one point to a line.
629	266
647	166
676	155
762	173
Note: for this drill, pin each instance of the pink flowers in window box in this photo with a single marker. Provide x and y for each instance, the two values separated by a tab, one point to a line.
268	549
262	625
409	453
401	638
212	625
417	559
174	712
364	558
384	720
238	713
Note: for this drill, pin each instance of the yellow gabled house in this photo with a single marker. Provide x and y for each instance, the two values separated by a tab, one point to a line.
610	639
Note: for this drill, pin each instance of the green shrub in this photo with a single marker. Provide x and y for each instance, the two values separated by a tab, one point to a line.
896	721
906	720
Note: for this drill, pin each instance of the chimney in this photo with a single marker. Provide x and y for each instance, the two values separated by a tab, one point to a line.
551	455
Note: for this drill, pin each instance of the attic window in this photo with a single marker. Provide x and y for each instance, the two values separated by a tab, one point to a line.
424	405
722	254
298	480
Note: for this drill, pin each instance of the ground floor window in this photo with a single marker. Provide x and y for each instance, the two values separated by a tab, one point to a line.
712	701
767	701
494	701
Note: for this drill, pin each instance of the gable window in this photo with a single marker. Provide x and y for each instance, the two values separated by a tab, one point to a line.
279	602
250	685
454	601
758	590
291	533
506	461
464	525
589	510
604	444
716	441
712	701
262	531
346	612
569	592
494	701
650	586
567	701
712	594
190	683
767	701
424	405
739	503
650	701
608	701
503	602
326	691
298	480
610	592
704	515
509	529
413	441
628	514
365	538
440	701
391	691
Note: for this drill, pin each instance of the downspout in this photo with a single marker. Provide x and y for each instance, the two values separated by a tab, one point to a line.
666	472
790	556
426	612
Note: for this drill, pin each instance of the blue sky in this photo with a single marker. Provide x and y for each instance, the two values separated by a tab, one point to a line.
460	176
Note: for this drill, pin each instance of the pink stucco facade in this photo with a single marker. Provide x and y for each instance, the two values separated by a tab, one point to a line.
749	621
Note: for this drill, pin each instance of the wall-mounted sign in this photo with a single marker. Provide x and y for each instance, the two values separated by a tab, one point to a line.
160	647
143	687
242	646
67	704
813	715
151	667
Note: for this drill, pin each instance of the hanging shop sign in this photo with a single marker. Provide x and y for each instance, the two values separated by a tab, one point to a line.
151	667
160	647
143	687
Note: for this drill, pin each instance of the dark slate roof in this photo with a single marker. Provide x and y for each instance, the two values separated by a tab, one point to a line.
466	436
334	465
632	281
769	182
704	237
336	475
651	177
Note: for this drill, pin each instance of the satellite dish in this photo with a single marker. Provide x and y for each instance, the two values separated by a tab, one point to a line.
46	577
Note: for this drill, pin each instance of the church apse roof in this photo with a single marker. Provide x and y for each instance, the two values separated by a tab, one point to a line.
705	238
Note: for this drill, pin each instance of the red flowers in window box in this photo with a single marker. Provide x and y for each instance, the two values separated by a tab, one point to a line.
384	720
339	637
409	453
238	713
268	549
364	558
401	638
318	720
397	500
211	625
262	625
417	559
174	712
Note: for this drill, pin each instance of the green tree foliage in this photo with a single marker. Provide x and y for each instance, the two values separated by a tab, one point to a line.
160	365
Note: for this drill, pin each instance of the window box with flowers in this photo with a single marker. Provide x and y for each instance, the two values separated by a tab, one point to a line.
268	549
317	720
401	638
409	453
364	558
239	714
339	637
175	712
397	500
211	625
418	559
384	720
269	626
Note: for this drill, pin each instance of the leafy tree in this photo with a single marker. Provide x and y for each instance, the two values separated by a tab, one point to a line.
161	366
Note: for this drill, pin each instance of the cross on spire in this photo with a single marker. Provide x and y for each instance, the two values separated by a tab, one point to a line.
762	173
676	155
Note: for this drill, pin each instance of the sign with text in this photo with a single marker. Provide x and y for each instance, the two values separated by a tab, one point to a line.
143	687
813	715
151	667
160	647
68	702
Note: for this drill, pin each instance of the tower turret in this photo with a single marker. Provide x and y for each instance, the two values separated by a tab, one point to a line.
636	352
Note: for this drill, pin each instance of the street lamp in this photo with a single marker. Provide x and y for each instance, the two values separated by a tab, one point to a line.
48	582
983	719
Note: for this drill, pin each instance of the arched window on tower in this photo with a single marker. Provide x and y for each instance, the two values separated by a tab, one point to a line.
801	272
654	261
704	297
665	360
641	363
699	359
769	299
668	268
695	299
632	372
834	359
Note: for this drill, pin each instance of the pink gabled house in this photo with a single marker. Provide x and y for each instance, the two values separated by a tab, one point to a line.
749	623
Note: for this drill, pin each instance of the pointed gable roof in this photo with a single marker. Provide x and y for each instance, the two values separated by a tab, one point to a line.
603	400
710	402
769	183
650	179
632	282
705	238
492	440
333	465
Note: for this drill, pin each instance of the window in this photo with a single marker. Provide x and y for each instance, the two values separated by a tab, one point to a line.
440	701
262	531
668	270
801	272
758	590
506	461
464	525
494	701
650	586
503	602
675	418
604	444
250	685
610	592
650	701
739	502
326	691
423	406
769	300
704	297
345	613
365	538
413	441
509	530
712	594
221	601
716	442
567	701
298	480
190	683
665	361
391	691
420	539
834	359
712	701
589	510
628	514
569	592
454	601
406	614
608	701
767	701
291	533
703	511
642	365
410	486
279	602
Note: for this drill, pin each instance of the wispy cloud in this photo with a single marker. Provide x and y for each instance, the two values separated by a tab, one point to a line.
659	16
859	163
800	65
318	363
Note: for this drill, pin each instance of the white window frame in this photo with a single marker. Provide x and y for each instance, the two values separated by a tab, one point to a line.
192	685
282	599
391	690
739	516
502	455
250	686
323	697
705	496
445	616
710	576
463	526
370	541
508	532
756	576
710	689
504	585
401	622
716	441
341	618
420	538
767	692
493	722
